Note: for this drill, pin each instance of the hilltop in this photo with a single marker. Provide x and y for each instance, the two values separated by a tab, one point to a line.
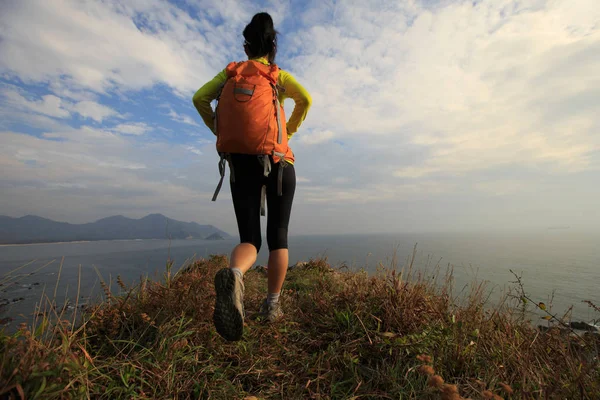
346	335
34	229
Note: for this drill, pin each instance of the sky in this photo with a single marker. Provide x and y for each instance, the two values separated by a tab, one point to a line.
427	115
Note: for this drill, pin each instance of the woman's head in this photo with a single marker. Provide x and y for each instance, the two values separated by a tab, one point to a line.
261	37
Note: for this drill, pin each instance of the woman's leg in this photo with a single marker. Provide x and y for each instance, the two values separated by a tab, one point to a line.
229	286
279	211
278	265
243	257
245	192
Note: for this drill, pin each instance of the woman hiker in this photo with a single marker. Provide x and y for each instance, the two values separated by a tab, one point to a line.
252	137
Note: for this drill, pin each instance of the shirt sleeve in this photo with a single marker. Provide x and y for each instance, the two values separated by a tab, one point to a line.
302	101
205	95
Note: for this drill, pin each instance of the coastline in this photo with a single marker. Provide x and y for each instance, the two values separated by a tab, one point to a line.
76	241
39	243
105	240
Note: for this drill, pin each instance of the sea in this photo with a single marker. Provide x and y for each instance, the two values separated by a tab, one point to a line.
558	267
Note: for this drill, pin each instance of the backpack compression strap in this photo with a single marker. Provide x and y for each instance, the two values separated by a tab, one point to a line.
222	173
225	159
266	163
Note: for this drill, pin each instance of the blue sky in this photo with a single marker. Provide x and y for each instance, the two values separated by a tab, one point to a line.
427	115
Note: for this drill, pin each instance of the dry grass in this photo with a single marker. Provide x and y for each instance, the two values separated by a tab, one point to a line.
345	336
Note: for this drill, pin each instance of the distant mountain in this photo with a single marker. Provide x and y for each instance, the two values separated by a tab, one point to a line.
215	236
33	229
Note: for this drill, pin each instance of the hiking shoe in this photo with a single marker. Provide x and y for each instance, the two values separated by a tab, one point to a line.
229	305
270	312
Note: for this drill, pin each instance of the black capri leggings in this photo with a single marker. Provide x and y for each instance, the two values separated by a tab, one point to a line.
246	192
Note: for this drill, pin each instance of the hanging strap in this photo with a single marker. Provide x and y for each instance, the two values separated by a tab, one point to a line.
222	162
266	163
263	199
282	164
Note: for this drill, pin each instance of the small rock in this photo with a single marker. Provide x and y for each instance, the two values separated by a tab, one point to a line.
299	264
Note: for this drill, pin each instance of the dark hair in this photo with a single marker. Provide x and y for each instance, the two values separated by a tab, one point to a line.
261	37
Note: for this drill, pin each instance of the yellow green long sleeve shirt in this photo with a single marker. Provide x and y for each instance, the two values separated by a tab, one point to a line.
291	89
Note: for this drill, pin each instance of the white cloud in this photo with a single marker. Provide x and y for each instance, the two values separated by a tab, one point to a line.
481	86
316	137
182	118
98	46
53	106
91	109
48	105
92	170
434	103
194	150
134	128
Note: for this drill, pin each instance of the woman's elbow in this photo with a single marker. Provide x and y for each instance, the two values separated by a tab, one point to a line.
307	101
200	103
196	100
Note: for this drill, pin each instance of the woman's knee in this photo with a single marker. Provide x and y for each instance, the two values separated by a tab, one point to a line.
257	242
253	238
277	239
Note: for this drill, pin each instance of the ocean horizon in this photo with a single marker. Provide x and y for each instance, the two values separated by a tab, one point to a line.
558	267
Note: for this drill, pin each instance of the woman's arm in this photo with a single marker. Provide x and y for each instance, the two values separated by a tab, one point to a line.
205	95
302	101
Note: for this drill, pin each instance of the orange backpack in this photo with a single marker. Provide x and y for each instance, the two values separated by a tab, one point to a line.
250	120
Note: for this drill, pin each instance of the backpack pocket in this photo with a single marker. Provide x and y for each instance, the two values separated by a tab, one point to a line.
243	92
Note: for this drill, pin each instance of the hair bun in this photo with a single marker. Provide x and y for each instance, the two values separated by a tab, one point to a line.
261	37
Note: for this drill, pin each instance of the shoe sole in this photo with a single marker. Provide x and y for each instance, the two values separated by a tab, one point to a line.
228	320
